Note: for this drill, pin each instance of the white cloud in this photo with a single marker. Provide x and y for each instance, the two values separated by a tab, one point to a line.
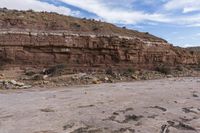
190	20
35	5
198	34
185	5
116	14
119	11
189	15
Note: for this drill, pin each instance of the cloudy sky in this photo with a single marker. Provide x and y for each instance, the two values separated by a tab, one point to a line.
177	21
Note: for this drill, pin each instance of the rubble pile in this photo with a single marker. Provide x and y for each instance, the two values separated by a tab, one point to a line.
12	84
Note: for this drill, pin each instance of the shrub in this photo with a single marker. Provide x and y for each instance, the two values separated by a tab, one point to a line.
179	68
75	25
198	66
55	70
109	71
95	28
129	72
164	69
30	10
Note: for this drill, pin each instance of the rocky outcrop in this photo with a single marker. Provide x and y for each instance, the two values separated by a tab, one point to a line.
196	51
21	44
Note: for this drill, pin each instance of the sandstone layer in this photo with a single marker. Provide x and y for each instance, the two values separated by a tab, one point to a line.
42	39
195	50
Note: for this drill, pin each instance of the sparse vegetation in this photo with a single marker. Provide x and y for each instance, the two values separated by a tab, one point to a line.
129	72
179	68
165	69
39	20
199	63
30	10
196	50
109	71
76	25
55	70
95	28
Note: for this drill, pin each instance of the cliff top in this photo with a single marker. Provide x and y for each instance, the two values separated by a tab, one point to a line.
197	49
52	21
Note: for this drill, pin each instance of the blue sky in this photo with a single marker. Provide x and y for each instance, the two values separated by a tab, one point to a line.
177	21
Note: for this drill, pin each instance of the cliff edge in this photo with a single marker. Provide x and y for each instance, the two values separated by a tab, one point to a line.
30	38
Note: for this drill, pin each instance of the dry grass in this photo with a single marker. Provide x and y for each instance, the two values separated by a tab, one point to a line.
53	21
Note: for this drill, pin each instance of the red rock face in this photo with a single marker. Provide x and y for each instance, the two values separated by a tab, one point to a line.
49	48
36	39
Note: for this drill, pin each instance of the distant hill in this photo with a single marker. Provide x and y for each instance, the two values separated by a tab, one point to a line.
196	49
54	21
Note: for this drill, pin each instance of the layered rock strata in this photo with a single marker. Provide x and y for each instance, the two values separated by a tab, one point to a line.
22	44
48	48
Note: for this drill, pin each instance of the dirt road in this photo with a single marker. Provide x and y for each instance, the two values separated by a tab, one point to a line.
155	106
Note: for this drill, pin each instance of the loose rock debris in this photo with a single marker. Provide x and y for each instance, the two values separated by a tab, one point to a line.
190	110
120	110
178	125
158	107
12	84
47	110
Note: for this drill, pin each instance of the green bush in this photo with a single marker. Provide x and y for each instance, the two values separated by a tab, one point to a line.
55	70
199	63
129	72
164	69
95	28
109	71
179	68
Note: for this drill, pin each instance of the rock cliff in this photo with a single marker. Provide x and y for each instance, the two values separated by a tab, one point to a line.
196	51
41	39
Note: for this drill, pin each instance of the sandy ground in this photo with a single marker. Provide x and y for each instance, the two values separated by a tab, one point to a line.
154	106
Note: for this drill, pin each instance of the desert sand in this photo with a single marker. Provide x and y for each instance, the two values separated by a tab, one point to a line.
154	106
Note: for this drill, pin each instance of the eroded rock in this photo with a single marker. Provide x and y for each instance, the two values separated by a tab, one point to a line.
43	42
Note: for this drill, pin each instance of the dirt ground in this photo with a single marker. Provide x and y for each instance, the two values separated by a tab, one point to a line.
153	106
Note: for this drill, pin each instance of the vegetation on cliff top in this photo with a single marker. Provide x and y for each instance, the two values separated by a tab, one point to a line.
54	21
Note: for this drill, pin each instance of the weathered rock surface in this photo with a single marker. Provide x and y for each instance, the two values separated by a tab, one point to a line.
12	84
155	106
43	39
195	50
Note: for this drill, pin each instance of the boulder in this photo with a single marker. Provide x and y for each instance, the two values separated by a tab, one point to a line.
134	77
12	84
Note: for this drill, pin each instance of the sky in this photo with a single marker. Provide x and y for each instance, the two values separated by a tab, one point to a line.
177	21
